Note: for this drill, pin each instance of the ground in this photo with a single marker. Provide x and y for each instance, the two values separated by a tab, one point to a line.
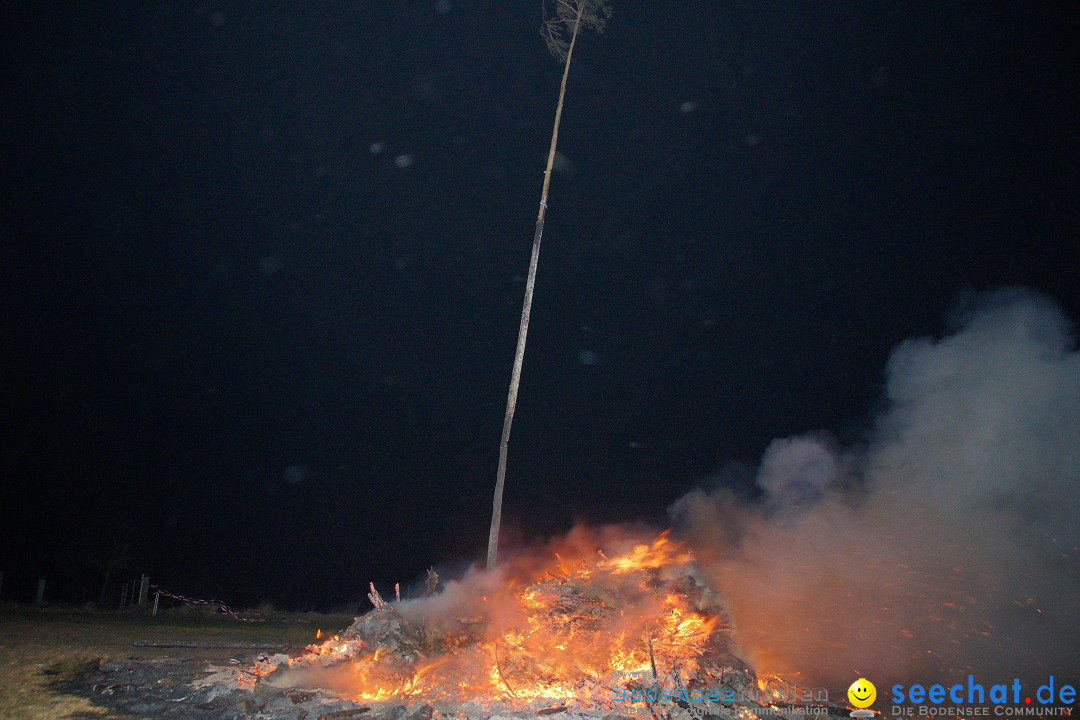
42	647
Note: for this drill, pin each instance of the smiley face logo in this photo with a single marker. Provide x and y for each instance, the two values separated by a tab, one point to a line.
862	693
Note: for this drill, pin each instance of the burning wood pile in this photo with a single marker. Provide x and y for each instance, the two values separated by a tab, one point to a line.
622	634
631	634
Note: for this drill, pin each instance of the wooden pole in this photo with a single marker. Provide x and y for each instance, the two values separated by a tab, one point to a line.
157	596
526	310
144	589
41	591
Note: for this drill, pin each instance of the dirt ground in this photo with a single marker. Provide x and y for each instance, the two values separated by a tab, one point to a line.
42	647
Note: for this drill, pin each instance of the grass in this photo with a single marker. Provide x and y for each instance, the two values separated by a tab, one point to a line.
41	647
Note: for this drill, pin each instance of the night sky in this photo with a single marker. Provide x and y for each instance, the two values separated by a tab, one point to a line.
263	264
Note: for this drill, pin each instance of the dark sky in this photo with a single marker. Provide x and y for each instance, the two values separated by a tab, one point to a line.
263	262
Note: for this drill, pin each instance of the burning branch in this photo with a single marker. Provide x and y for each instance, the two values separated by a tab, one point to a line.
344	714
498	668
375	597
652	657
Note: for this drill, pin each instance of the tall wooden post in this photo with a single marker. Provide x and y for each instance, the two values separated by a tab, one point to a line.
41	591
144	589
560	31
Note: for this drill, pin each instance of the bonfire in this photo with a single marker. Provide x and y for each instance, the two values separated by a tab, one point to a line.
630	633
599	625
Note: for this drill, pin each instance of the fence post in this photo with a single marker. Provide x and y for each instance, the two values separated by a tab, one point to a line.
41	591
144	589
157	596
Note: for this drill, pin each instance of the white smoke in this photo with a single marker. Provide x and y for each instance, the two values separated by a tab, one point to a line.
947	544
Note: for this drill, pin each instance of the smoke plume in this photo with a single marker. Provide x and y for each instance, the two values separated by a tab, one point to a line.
947	544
